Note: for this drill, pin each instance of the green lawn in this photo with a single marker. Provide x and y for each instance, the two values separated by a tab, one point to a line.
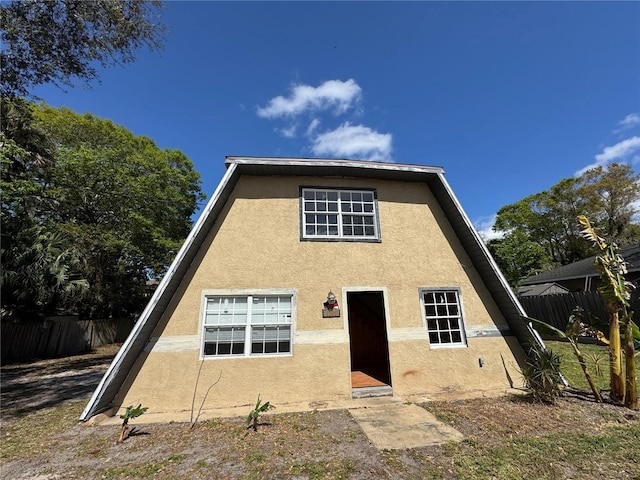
555	456
597	358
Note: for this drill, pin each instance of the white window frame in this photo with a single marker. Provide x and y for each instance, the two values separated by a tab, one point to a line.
435	317
249	324
342	209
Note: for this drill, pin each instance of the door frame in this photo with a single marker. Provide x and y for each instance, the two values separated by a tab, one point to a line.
387	319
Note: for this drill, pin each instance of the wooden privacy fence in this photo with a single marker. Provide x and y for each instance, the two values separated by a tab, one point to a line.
59	337
556	309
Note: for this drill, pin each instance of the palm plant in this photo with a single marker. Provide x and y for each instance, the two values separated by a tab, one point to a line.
574	328
38	271
252	419
616	292
542	374
130	413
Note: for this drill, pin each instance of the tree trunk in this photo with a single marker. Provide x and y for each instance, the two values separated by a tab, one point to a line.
615	356
587	375
123	432
631	397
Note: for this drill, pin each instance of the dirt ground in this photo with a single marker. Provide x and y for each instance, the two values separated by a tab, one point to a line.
36	385
42	440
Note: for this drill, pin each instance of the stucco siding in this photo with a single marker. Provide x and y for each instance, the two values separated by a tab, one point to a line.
255	244
167	380
419	371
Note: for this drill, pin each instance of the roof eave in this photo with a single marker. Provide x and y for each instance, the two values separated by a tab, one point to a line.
236	166
333	163
161	291
510	306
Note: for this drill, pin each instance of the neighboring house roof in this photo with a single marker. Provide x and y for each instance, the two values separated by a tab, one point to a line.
585	268
541	289
237	166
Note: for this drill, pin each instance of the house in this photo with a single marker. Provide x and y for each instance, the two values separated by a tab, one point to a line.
309	280
583	275
550	288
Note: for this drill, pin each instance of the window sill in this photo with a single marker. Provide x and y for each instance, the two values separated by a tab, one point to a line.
447	346
349	240
247	357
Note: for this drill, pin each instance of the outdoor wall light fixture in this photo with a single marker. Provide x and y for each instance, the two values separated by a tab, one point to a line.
332	301
481	362
330	308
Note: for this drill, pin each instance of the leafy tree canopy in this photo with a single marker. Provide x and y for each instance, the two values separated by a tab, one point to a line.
115	203
541	230
59	41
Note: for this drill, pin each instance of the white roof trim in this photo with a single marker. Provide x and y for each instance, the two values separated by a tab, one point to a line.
330	162
235	169
490	259
481	244
144	316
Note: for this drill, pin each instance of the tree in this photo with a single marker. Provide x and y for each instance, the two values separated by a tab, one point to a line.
540	231
38	273
118	201
124	201
518	256
613	192
39	268
23	144
59	41
616	291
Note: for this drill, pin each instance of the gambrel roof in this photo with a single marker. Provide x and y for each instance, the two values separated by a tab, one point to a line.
259	166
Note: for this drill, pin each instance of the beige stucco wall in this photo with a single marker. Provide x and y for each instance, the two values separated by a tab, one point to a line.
255	244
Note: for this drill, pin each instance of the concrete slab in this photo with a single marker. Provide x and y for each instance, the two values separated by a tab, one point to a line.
388	422
399	426
242	411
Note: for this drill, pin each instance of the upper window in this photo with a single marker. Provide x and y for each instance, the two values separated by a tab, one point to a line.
247	325
339	214
444	317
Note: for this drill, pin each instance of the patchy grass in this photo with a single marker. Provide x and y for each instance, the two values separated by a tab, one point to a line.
505	438
597	358
143	470
329	469
561	455
32	435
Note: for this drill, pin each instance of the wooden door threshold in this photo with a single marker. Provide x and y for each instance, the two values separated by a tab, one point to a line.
361	379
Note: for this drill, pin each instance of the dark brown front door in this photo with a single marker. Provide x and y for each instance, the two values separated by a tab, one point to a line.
368	338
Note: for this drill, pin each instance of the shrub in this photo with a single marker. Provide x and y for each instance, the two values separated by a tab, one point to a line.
542	374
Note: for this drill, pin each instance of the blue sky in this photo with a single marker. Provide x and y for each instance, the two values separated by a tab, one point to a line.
509	97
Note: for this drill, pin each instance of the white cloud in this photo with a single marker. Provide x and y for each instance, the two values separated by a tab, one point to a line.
331	95
354	141
619	151
315	123
288	132
484	226
630	120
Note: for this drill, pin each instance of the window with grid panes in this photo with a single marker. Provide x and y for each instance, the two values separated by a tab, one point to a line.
443	315
339	214
247	325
